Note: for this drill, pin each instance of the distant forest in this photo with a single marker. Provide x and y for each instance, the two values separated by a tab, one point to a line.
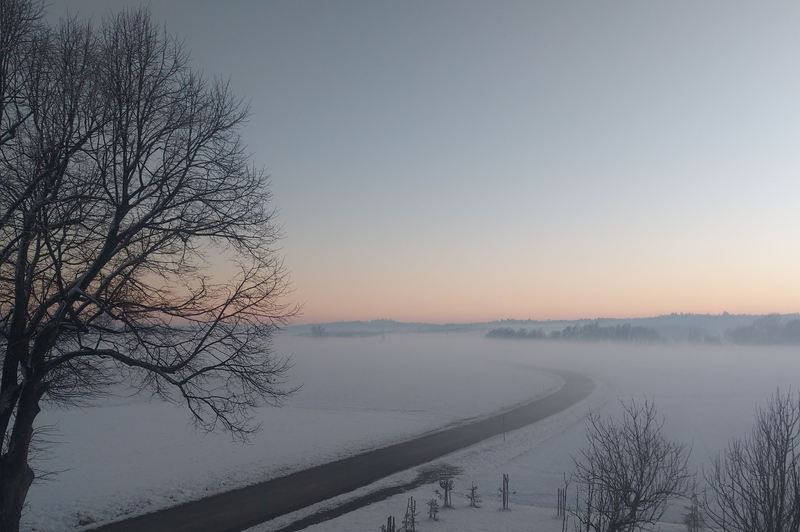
591	332
766	331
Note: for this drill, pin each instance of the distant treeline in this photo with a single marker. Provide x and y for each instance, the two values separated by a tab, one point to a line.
318	331
766	331
591	332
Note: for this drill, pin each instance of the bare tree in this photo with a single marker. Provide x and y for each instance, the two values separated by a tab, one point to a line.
20	29
475	500
390	525
410	518
629	472
446	495
433	509
121	171
504	491
563	508
693	519
755	484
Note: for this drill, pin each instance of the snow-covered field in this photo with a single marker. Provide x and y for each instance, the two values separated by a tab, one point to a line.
130	455
707	394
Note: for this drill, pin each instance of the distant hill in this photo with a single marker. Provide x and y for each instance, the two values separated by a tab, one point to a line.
693	328
353	329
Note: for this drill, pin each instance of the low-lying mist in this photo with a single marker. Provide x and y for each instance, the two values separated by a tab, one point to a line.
707	393
362	393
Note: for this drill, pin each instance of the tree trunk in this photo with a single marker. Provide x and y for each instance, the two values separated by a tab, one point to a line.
16	476
15	479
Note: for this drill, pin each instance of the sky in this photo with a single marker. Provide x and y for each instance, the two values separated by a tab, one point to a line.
460	161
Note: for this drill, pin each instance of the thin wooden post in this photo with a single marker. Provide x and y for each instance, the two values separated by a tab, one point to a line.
562	502
558	505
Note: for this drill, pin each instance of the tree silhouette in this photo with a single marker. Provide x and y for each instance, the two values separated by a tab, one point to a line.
122	172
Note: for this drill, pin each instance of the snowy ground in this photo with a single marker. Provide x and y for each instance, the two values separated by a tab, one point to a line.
129	455
707	395
362	393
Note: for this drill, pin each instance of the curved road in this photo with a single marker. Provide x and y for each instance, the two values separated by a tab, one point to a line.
243	508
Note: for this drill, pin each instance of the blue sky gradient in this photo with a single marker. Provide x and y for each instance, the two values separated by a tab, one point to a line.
456	161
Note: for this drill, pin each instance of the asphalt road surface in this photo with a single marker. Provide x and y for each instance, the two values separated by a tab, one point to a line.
243	508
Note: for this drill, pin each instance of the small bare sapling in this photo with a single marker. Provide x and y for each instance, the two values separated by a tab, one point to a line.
433	509
474	498
446	495
410	519
693	519
389	526
504	492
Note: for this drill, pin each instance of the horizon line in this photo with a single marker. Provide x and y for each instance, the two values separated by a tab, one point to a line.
549	320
